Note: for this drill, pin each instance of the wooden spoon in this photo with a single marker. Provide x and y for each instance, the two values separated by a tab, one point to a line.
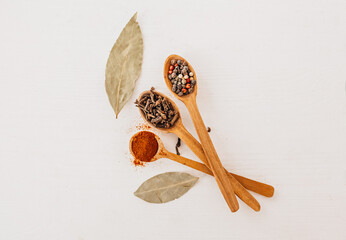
190	102
162	152
179	129
222	180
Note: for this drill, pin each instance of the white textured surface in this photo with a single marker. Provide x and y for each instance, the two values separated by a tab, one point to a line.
271	86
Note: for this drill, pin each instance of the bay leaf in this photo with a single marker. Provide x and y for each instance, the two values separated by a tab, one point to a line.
124	65
165	187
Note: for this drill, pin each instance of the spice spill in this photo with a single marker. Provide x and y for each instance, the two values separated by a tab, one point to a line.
142	126
138	163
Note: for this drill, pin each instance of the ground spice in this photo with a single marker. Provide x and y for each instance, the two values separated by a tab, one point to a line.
138	163
142	126
144	146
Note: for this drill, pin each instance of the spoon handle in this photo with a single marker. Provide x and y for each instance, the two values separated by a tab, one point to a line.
211	155
255	186
203	168
196	147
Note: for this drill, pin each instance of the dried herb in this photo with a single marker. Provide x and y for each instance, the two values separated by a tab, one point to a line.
124	65
177	146
157	109
165	187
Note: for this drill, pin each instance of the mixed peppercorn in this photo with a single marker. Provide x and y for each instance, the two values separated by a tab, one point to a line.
181	77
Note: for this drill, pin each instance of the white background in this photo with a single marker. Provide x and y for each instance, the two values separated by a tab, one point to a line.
271	87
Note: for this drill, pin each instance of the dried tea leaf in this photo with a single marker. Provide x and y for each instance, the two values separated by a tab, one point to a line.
124	65
165	187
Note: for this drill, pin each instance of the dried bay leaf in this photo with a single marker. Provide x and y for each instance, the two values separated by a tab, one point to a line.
124	65
165	187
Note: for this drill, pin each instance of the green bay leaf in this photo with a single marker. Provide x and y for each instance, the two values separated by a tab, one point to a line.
165	187
124	65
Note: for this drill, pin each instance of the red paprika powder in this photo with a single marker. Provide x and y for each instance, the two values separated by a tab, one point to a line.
144	146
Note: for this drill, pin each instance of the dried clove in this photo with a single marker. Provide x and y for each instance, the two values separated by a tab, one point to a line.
174	119
157	110
158	102
156	120
146	106
177	146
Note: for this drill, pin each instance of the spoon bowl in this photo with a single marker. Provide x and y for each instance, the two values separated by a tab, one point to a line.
179	130
178	122
212	158
162	152
168	82
160	149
